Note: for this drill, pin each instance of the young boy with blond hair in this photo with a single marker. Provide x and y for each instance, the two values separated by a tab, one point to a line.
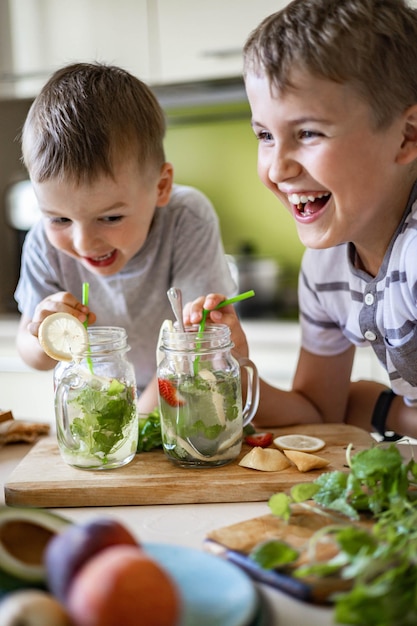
332	88
111	216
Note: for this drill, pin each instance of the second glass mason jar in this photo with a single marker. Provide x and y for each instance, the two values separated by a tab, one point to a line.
95	403
200	396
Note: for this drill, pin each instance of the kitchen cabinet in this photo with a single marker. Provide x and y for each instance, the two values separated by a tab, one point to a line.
203	40
46	34
160	41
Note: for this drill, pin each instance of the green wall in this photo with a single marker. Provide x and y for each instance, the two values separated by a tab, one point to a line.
215	149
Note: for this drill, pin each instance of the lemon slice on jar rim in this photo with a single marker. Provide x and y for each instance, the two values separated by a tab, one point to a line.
62	335
300	443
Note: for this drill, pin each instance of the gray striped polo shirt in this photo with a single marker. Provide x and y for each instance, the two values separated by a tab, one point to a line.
341	305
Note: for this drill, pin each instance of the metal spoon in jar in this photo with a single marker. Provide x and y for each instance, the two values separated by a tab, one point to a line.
175	299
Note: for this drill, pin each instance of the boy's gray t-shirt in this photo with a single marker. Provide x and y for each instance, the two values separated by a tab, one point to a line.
183	249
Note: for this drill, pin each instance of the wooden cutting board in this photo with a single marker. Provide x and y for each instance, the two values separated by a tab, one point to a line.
236	541
42	479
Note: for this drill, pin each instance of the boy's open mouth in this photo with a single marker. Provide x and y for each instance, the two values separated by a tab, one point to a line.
104	260
310	204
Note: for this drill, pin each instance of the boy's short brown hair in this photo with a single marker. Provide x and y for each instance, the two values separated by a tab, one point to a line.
86	116
370	44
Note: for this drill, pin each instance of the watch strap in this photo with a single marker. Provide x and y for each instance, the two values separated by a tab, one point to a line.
380	414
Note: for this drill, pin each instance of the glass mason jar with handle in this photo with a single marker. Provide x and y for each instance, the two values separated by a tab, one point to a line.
95	403
200	396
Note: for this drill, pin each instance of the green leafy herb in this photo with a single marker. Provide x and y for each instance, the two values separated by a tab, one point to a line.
304	491
249	429
279	504
104	416
211	432
115	387
150	436
380	562
273	553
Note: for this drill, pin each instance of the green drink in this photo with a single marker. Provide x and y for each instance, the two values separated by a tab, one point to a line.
101	415
201	418
95	403
200	397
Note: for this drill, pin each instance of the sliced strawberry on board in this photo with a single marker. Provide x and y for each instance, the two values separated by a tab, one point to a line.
262	440
169	393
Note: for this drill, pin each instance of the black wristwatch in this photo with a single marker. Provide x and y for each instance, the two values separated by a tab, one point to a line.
380	414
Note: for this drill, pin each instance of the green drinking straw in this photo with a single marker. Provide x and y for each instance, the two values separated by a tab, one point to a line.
238	298
86	290
202	325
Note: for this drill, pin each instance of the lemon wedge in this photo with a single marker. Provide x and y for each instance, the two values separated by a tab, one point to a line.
300	443
305	461
265	460
62	335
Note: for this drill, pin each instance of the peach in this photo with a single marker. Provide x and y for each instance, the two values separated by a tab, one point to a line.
67	551
122	585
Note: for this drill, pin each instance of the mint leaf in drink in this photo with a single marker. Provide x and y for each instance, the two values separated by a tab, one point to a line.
208	432
115	387
227	388
104	414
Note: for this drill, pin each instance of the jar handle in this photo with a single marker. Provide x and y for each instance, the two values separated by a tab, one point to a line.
252	391
61	412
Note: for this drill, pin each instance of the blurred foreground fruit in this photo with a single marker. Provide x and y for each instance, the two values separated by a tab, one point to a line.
123	586
24	535
32	608
69	551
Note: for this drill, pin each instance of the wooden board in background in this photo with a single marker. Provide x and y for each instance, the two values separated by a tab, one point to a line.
236	541
43	479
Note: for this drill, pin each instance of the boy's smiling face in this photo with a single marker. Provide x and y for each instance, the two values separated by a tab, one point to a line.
103	224
320	154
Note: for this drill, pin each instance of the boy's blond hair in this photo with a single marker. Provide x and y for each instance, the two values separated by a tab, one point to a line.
87	116
369	44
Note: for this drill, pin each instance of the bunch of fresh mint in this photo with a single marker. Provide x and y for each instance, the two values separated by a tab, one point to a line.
150	436
380	562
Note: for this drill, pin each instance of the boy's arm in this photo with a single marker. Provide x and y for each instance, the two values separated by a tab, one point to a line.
29	347
27	341
148	399
319	393
363	398
321	384
401	418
